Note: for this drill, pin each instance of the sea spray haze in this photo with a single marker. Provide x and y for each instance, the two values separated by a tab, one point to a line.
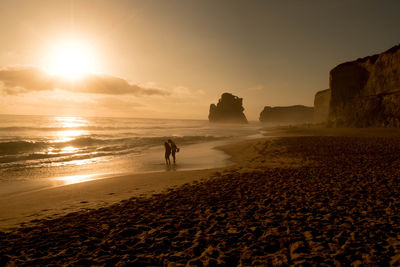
34	147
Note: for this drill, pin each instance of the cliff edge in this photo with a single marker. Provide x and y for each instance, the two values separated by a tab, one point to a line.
366	92
322	101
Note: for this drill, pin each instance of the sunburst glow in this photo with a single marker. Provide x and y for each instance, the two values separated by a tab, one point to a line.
71	59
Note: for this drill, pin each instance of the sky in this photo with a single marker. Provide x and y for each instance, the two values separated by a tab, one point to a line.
172	59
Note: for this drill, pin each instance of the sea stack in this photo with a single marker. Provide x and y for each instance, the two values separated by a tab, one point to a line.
228	110
322	101
366	92
290	114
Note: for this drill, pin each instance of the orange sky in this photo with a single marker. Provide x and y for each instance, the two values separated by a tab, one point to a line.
172	59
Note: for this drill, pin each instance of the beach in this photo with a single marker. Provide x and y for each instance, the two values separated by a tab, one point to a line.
47	198
323	200
199	133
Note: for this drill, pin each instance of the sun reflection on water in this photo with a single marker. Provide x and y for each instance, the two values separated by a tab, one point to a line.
70	122
71	126
69	149
65	136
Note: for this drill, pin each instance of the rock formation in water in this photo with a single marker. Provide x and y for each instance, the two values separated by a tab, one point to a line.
366	92
228	110
321	106
291	114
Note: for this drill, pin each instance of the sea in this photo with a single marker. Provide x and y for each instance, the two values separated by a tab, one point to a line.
38	148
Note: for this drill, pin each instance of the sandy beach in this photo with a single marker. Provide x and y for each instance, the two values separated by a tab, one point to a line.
199	133
324	200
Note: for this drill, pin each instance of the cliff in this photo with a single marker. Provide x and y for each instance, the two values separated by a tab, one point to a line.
366	92
228	110
290	114
321	106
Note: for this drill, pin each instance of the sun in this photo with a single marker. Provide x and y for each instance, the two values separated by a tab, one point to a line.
70	60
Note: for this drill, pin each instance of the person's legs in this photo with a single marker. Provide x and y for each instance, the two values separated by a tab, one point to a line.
173	156
167	160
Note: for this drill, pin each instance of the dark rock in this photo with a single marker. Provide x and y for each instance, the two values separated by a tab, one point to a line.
229	110
366	92
290	114
321	106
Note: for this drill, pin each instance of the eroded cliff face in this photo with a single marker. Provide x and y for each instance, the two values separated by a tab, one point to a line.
285	115
321	106
228	110
366	92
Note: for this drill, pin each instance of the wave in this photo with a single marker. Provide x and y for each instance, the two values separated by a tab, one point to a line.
85	147
35	160
13	147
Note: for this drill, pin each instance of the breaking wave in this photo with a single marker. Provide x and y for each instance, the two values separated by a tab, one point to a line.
83	147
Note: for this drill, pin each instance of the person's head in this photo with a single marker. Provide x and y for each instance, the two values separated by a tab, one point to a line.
169	141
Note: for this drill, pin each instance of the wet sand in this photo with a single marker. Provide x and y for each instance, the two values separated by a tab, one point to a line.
324	200
48	203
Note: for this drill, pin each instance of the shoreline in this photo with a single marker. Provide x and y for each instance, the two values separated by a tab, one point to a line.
193	157
47	200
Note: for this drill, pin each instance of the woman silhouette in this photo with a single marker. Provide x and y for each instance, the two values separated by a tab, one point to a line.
174	148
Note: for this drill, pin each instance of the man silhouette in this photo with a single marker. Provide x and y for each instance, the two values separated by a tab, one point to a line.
167	153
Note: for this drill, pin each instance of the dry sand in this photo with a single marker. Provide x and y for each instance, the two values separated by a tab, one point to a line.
323	200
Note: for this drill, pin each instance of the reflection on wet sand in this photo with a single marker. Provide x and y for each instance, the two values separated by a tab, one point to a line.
67	180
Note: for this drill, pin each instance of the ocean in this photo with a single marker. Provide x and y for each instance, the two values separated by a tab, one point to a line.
43	147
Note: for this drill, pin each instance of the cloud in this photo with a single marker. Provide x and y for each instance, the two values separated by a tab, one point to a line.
16	80
19	80
110	85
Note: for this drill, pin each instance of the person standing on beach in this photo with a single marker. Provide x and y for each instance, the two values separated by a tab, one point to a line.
167	153
174	148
